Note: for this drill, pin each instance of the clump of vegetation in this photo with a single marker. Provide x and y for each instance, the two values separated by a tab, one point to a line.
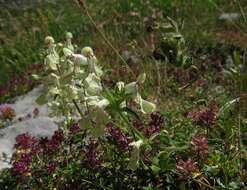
114	139
192	137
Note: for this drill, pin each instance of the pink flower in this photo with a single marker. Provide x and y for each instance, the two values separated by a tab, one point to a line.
200	145
186	168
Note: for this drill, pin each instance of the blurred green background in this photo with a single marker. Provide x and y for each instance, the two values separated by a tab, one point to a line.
24	24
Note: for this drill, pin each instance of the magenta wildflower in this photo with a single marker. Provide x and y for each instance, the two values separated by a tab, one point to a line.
53	144
20	168
58	136
92	154
56	140
200	145
118	137
138	125
21	164
186	168
155	124
75	128
206	117
51	167
25	141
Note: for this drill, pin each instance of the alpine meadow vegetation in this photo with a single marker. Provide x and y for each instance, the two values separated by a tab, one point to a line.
173	117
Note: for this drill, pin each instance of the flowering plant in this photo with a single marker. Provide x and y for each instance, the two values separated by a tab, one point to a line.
112	138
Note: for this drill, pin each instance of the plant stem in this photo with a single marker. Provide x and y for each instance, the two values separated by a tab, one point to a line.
84	6
129	125
77	107
202	183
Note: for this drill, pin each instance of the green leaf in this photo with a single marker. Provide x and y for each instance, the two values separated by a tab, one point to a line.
131	112
134	159
66	78
85	123
135	155
41	100
52	61
100	120
141	78
35	77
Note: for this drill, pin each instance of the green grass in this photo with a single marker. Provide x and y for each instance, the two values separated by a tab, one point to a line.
123	25
22	31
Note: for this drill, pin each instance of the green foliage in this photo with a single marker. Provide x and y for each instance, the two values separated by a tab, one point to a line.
153	155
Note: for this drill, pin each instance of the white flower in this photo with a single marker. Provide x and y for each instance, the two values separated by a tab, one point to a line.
93	84
49	40
67	52
131	88
120	85
146	106
87	52
80	59
102	103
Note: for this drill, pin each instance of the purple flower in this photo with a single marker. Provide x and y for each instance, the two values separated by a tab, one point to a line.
154	125
54	143
200	145
75	128
51	167
20	168
138	125
156	119
92	154
58	136
25	157
25	141
21	164
53	146
206	116
186	168
119	137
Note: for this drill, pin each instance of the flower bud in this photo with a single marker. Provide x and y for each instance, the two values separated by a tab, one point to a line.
120	85
87	52
49	40
141	78
68	35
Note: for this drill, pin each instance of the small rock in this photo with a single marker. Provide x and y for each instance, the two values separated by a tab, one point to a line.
229	16
37	127
40	125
